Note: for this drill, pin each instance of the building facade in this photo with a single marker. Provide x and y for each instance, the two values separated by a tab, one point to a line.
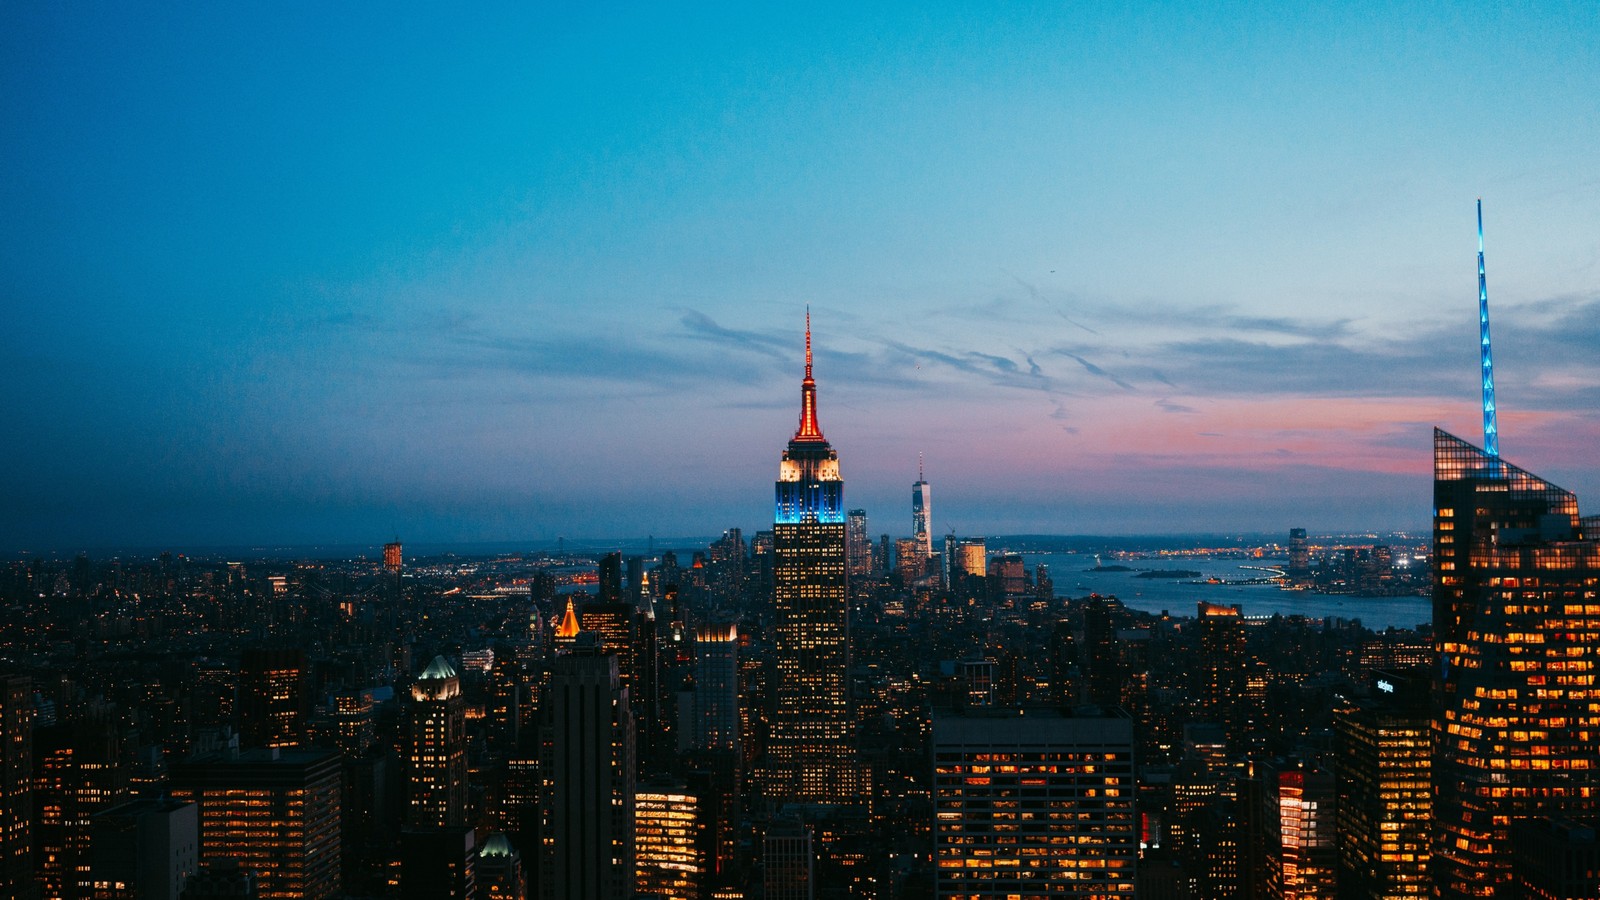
1033	803
1516	617
809	752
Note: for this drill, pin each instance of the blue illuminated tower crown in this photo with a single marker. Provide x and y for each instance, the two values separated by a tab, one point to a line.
809	488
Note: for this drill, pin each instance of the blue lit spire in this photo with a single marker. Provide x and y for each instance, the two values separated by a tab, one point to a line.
1491	429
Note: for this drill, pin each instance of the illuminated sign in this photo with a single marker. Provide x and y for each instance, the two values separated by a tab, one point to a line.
1385	686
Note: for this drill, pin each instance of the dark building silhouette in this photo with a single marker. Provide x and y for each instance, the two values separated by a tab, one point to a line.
16	787
274	697
1516	622
1222	666
587	765
143	849
1555	859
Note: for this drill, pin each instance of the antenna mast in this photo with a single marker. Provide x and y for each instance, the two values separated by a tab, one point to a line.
1491	428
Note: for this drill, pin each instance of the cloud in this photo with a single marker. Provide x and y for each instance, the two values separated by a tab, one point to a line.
1166	405
1093	369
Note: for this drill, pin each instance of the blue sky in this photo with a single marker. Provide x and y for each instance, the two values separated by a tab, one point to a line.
286	274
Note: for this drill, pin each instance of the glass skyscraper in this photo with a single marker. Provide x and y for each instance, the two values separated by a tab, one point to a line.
1517	627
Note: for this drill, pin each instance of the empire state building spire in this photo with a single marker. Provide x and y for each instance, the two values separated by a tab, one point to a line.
809	430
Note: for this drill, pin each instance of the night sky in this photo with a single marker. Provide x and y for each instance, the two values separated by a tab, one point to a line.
335	274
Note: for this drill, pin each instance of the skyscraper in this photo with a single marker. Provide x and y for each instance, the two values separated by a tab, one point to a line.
436	764
859	545
716	689
922	513
1223	657
16	787
274	699
1299	850
586	763
1385	799
809	753
273	811
1516	622
1033	802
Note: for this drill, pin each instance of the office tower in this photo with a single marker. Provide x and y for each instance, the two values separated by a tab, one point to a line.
1299	553
885	558
587	765
1298	850
76	776
1555	859
634	586
971	561
1075	833
858	547
909	561
500	872
809	752
436	750
16	787
630	635
611	578
274	697
1106	672
1009	575
438	863
392	558
143	849
1516	620
716	689
922	513
788	861
274	811
1383	753
672	852
1222	665
353	715
975	680
222	879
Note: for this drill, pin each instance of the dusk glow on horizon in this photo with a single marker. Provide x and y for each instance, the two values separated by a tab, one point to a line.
322	275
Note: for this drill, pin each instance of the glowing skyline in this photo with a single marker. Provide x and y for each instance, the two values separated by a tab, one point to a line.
309	275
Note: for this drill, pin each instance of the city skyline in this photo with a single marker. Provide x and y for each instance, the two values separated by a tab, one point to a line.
278	284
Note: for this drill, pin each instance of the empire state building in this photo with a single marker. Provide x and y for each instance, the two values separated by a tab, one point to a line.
809	757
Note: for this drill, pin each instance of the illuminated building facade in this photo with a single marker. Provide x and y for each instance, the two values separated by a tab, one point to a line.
587	771
1033	803
1517	625
922	514
809	756
1299	852
629	633
274	697
391	556
672	853
858	545
1384	754
275	812
16	787
436	750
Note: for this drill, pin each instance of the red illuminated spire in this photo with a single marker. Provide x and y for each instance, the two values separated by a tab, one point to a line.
809	430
